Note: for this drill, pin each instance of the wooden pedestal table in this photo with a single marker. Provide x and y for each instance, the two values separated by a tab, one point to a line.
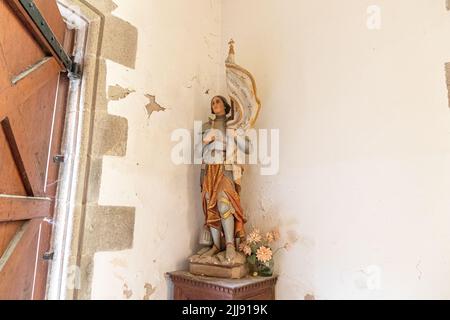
192	287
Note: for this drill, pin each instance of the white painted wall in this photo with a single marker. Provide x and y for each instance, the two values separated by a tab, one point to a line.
177	56
365	142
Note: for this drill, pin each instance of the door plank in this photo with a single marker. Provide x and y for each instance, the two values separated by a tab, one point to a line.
12	143
11	182
4	73
50	11
16	280
52	18
23	208
20	49
32	123
56	138
41	265
15	95
7	232
33	95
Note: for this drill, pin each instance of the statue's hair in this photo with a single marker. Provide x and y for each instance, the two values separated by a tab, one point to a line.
225	103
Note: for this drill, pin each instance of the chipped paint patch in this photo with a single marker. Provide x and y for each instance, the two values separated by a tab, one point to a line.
127	292
149	290
116	92
310	297
152	106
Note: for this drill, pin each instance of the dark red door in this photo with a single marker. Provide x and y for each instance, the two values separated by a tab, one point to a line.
33	93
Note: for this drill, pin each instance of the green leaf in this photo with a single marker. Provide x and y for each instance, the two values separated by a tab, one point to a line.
252	259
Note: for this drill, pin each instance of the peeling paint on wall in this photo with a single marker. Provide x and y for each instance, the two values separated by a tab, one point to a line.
127	292
152	106
149	290
118	93
310	297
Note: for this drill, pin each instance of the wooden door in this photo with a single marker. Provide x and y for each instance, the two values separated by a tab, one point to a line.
33	92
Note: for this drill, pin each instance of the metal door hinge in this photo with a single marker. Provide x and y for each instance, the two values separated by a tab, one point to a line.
58	50
75	72
48	255
58	158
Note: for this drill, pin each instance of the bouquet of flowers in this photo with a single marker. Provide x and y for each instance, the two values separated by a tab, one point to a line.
259	251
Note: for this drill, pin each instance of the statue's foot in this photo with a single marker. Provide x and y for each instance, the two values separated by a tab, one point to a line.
231	252
214	250
202	251
222	259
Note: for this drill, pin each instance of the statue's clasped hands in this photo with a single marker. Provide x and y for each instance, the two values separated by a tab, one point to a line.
210	137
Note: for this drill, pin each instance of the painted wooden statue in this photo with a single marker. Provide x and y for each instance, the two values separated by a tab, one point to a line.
223	137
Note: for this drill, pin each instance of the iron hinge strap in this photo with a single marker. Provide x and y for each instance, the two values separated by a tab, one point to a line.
59	158
49	255
43	27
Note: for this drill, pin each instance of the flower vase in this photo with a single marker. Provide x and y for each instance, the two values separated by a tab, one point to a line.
265	269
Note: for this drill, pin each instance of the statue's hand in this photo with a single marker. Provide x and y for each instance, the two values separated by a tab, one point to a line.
210	137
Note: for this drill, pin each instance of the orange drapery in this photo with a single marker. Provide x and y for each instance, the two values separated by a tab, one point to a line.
214	182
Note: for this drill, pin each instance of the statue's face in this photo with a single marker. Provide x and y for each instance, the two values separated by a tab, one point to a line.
217	106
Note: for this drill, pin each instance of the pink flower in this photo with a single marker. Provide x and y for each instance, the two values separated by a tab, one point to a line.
276	234
245	248
264	254
254	237
269	237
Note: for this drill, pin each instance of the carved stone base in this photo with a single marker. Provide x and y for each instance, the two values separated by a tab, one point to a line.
219	271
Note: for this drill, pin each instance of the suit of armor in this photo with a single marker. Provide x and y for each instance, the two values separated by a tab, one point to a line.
220	196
